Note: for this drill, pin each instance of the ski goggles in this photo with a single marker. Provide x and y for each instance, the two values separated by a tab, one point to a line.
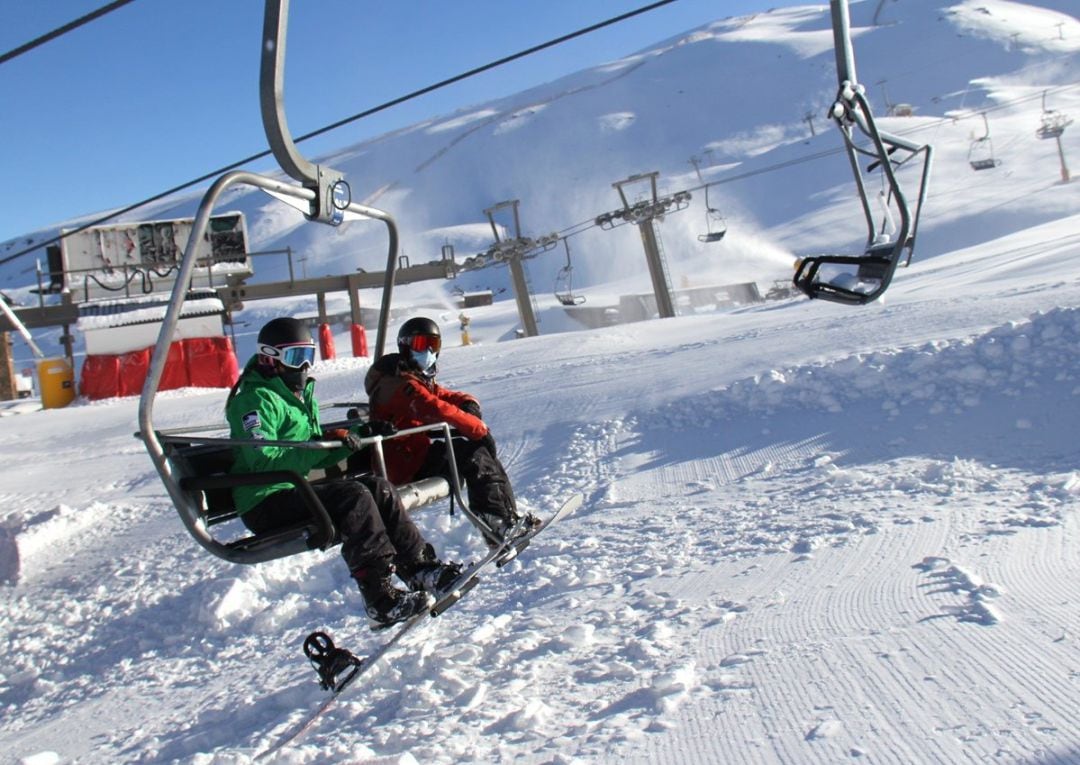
293	356
421	343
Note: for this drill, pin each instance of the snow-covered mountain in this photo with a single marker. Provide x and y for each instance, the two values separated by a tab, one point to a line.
812	534
743	98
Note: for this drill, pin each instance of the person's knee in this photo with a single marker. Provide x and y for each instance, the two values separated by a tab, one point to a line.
380	485
382	491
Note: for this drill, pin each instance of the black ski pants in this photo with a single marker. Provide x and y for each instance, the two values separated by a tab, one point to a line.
373	527
485	478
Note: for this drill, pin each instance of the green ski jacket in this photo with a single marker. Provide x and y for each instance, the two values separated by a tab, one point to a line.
262	408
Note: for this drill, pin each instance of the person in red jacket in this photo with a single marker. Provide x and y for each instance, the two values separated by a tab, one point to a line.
402	390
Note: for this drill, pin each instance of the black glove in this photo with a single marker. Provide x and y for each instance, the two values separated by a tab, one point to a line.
471	407
347	438
489	441
377	428
352	440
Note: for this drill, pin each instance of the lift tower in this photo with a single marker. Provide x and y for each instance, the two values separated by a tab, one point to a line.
642	214
513	252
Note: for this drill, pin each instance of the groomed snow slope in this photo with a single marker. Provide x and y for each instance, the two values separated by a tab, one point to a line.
812	533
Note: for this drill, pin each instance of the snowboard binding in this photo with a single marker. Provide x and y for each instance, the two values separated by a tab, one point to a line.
335	666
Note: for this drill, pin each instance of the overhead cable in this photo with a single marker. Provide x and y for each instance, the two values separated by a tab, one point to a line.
347	120
62	30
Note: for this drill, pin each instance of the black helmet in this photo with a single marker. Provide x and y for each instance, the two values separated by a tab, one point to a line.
286	348
419	327
284	331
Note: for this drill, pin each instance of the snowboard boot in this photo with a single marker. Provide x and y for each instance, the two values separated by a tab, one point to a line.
384	603
428	573
507	524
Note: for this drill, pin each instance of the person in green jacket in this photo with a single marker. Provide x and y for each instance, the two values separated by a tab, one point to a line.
274	400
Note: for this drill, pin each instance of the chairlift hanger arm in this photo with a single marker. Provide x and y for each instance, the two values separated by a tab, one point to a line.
331	196
332	192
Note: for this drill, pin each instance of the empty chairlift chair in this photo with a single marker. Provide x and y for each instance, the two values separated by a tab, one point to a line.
715	224
861	278
564	290
981	151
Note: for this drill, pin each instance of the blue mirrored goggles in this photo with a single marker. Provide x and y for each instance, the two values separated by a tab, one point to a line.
294	356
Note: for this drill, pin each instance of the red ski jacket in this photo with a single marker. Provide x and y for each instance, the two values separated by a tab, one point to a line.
400	395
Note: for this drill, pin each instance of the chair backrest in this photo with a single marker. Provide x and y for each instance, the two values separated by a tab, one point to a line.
194	462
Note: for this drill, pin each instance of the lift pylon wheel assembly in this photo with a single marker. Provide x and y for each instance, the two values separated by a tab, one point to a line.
642	214
859	279
513	251
1052	123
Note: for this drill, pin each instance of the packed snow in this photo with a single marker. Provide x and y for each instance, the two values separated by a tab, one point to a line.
812	533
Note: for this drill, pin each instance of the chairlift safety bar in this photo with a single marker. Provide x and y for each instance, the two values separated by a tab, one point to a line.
376	442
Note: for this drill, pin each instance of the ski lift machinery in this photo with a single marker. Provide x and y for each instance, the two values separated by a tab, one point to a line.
1052	122
860	279
195	468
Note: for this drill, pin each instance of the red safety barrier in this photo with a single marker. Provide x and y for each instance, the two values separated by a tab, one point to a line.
175	374
326	343
211	362
201	362
359	341
133	368
99	377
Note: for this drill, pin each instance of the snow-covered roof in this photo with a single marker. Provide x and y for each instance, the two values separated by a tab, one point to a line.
104	314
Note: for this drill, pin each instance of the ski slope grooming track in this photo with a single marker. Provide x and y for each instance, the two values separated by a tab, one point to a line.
853	647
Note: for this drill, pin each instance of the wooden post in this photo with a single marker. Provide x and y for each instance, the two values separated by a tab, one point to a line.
8	389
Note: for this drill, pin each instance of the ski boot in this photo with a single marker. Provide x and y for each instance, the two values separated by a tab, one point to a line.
508	525
429	574
385	604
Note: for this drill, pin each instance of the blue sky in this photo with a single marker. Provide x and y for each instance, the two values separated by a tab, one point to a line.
160	92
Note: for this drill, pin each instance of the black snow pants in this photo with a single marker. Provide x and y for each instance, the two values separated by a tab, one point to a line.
488	485
374	528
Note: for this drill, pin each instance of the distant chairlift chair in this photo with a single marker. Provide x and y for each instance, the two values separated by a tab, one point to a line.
860	279
981	151
564	291
715	224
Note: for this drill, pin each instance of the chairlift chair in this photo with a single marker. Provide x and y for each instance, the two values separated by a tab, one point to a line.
564	292
715	224
981	151
860	279
194	467
1052	123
